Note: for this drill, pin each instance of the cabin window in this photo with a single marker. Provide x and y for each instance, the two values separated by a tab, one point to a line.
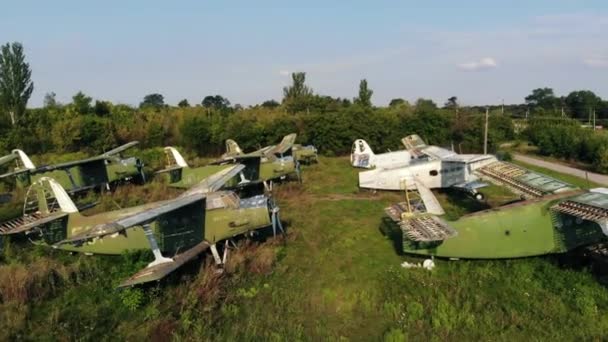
433	173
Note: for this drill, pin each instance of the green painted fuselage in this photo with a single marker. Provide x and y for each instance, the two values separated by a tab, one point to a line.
523	229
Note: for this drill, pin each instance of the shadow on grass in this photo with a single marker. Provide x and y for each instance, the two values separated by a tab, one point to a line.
391	231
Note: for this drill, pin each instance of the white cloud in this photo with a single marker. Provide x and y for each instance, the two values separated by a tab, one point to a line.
284	72
596	61
482	64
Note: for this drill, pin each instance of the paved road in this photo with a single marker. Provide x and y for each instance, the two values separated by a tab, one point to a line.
594	177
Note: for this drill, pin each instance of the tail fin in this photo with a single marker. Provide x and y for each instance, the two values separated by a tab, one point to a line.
47	196
413	142
46	211
289	139
232	148
26	162
174	158
362	155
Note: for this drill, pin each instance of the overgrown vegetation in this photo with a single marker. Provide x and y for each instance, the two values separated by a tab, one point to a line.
335	276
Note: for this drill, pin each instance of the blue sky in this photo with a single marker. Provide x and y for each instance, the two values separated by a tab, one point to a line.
480	51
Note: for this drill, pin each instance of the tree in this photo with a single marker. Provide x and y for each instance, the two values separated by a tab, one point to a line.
82	103
153	100
216	102
396	102
297	96
425	106
270	104
542	99
451	103
581	102
365	94
102	108
183	103
50	100
16	85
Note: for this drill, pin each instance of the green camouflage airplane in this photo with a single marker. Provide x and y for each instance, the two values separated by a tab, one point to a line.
78	175
180	175
175	230
277	160
552	217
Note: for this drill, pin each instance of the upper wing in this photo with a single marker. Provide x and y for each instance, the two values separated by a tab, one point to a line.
215	181
120	149
136	219
529	184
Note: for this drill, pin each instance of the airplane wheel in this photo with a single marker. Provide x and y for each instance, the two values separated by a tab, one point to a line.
479	196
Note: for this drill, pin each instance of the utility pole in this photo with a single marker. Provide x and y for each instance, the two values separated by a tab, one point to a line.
485	134
594	119
563	111
502	109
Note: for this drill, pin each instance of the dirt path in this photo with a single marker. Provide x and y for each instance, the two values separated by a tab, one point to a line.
594	177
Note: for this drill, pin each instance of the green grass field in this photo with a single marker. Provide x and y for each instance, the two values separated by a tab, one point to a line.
334	277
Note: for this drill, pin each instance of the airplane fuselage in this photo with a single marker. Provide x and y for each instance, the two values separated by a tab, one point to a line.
432	173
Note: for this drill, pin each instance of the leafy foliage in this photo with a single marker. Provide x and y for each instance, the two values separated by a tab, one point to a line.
16	85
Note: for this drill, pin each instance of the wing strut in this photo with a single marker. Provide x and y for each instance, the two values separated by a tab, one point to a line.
158	256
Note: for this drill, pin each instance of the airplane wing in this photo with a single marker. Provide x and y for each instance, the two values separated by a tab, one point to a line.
215	181
159	271
120	149
98	161
529	184
134	220
28	222
162	265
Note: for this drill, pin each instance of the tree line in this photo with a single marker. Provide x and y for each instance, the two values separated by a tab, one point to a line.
329	123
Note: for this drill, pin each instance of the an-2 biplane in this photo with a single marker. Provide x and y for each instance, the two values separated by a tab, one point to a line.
79	175
552	217
176	230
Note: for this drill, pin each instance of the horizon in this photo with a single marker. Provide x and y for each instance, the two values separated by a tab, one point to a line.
480	54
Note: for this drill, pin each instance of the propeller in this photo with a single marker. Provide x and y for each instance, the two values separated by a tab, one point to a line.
140	168
273	209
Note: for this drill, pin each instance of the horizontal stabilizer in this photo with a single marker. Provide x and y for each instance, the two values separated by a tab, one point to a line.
120	149
137	219
28	222
216	181
8	158
159	271
14	173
